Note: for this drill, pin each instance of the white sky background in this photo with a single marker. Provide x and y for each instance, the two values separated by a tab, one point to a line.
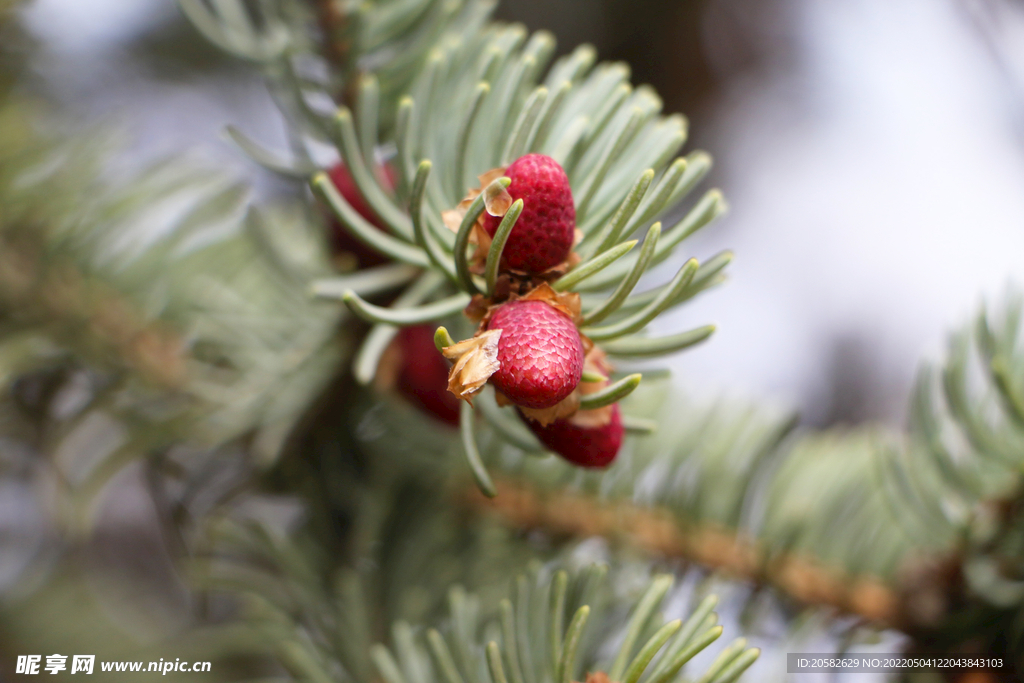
877	191
83	27
877	187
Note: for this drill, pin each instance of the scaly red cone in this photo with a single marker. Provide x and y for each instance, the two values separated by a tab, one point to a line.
423	374
341	239
540	353
586	446
544	234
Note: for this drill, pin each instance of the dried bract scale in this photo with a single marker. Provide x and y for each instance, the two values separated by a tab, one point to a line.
497	200
476	359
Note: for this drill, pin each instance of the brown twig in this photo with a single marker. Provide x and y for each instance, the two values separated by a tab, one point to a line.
660	533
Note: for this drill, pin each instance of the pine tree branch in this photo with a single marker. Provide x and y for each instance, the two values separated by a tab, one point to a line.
657	532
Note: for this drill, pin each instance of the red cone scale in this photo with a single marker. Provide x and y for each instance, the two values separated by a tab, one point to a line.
423	374
544	233
583	446
540	353
341	238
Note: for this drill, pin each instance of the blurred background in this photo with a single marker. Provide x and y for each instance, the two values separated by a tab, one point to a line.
872	153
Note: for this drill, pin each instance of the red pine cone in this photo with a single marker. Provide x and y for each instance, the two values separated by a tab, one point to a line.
341	238
546	228
423	374
539	351
583	446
